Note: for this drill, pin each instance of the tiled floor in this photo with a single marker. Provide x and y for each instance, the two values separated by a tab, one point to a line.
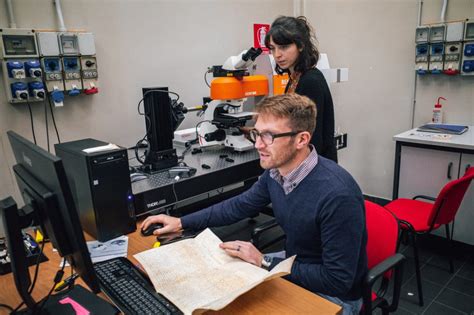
444	292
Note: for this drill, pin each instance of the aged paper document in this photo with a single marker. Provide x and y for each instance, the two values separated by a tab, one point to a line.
195	274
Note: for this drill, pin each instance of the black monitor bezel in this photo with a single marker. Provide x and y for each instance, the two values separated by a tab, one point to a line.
78	255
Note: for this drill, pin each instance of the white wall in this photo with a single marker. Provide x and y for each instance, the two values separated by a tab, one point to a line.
140	43
170	43
375	40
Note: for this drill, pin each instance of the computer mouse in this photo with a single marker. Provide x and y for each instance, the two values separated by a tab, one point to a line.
149	230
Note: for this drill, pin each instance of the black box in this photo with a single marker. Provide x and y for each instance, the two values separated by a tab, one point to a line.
101	188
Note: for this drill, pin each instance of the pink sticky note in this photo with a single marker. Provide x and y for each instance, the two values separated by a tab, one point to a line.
78	308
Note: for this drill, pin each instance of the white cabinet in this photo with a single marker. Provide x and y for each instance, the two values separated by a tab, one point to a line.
425	162
425	171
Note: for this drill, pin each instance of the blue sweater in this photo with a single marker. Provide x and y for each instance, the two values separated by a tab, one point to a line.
324	222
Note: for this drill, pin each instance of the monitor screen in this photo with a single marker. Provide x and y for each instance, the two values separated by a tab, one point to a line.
44	187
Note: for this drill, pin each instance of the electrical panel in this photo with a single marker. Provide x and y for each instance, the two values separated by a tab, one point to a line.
452	58
453	48
436	40
422	49
89	72
436	58
421	58
467	62
50	58
445	48
37	64
22	72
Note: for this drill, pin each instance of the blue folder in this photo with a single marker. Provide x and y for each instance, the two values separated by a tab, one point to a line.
444	128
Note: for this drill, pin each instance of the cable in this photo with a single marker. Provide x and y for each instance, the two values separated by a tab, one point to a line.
7	307
188	145
57	279
46	123
205	77
32	286
174	192
38	260
32	123
54	120
157	90
198	136
137	147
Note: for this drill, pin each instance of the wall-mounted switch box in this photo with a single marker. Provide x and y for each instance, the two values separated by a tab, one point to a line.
68	44
437	33
421	58
467	63
18	43
454	31
86	44
452	58
469	30
48	44
436	58
22	74
422	34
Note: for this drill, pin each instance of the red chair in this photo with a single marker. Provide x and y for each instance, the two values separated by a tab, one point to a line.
420	217
383	260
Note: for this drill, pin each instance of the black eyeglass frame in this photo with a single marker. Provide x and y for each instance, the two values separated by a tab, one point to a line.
257	134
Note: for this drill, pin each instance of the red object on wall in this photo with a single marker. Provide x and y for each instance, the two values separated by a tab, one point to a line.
259	32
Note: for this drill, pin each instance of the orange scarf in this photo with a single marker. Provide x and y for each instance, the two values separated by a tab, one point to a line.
294	79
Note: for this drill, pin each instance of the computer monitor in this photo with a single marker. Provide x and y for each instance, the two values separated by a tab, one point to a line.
45	190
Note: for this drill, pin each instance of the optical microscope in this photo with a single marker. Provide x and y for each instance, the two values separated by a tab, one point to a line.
230	88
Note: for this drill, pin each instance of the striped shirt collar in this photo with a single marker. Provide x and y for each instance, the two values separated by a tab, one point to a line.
296	176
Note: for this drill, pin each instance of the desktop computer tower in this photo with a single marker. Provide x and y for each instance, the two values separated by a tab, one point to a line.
101	188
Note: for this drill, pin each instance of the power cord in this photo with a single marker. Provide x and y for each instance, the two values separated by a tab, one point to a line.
32	123
46	123
57	279
198	136
54	120
32	286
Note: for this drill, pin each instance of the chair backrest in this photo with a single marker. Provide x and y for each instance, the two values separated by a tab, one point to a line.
382	233
449	199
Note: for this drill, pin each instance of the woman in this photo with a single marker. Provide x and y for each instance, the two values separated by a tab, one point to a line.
291	42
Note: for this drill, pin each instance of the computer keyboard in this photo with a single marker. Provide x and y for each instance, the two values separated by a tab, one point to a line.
131	292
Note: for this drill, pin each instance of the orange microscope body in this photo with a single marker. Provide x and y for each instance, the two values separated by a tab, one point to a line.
224	114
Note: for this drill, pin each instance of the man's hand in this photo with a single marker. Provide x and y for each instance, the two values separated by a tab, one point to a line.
243	250
170	224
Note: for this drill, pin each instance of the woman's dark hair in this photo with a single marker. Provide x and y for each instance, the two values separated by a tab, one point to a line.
286	30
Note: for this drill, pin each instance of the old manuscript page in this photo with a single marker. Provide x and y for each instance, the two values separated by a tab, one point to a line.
195	274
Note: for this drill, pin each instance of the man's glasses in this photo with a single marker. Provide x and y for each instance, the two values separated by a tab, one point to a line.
267	137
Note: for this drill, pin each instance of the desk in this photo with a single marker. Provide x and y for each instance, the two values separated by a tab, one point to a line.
159	191
425	162
276	296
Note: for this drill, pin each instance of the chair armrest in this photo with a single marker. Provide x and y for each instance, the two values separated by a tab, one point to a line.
264	226
393	262
424	197
255	237
382	268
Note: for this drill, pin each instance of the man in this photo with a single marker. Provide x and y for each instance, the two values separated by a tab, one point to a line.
316	202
